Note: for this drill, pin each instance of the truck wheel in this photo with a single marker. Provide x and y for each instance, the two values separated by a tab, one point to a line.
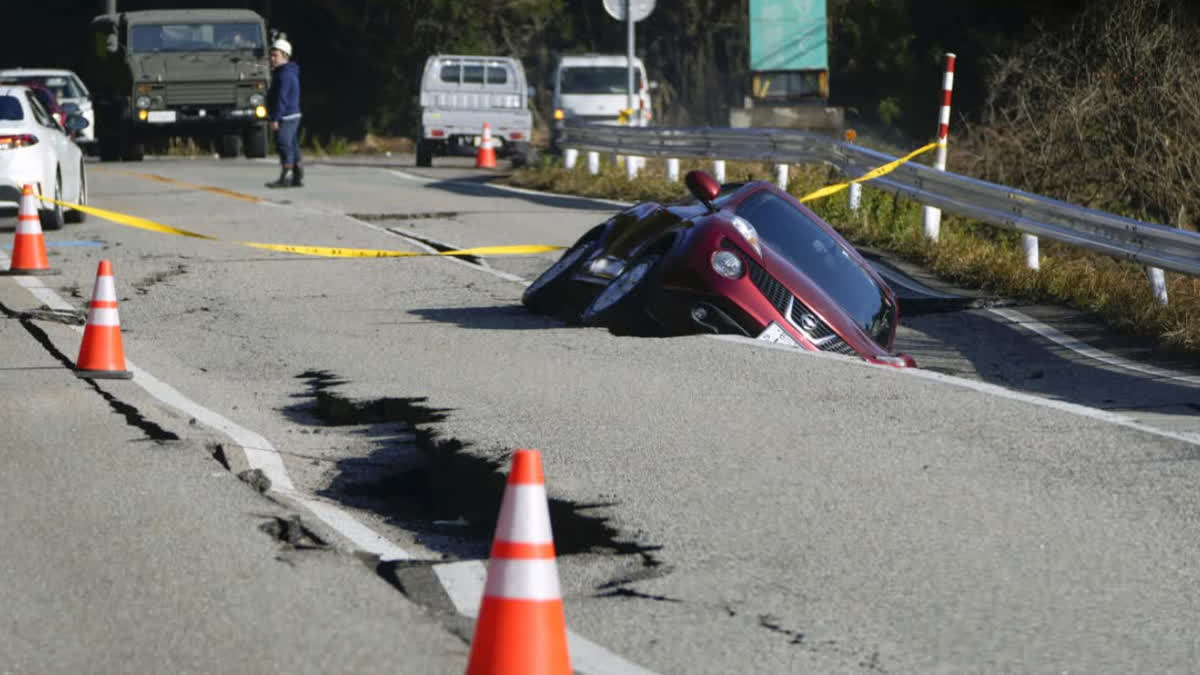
256	141
110	148
424	154
522	154
231	145
133	151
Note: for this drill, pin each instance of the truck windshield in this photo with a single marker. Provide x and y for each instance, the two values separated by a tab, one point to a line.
598	80
194	37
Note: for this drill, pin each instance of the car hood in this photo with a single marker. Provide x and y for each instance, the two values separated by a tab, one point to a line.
197	66
844	322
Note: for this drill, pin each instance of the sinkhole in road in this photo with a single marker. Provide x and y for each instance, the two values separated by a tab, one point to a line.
429	485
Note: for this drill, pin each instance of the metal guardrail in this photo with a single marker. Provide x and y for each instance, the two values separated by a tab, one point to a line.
1124	238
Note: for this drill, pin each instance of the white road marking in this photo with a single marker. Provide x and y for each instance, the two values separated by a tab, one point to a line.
463	582
1084	349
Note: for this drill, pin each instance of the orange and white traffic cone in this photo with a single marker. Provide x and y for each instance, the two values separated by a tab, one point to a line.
29	247
521	627
101	355
485	157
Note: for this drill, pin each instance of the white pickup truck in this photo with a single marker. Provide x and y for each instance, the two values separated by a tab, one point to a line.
460	93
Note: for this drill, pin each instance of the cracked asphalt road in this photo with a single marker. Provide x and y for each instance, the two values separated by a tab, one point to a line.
794	512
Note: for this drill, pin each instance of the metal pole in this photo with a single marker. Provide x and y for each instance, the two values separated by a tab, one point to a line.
933	215
110	6
629	59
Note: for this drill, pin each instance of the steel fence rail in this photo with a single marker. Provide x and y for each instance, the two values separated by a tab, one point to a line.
1124	238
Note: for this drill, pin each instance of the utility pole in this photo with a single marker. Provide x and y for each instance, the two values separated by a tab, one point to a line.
110	6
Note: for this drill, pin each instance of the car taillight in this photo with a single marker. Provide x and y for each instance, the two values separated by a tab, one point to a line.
437	133
17	141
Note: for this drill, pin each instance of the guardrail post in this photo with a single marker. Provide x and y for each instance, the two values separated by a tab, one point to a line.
933	215
673	169
719	170
633	164
1030	244
781	176
1158	284
855	192
593	159
570	156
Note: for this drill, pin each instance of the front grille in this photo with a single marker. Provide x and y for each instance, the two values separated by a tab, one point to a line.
821	335
200	93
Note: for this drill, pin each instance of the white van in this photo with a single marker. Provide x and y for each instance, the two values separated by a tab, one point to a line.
594	88
460	93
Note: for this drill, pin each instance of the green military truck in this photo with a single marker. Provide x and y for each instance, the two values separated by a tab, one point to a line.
199	74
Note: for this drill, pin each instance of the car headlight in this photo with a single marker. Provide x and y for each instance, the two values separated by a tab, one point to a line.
256	99
748	232
143	101
728	264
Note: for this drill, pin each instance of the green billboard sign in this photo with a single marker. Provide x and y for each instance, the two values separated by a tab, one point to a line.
788	35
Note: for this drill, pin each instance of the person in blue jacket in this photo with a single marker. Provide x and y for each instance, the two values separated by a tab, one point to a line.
283	107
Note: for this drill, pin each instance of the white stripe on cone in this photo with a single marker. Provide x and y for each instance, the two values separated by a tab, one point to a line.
105	290
103	316
530	502
522	579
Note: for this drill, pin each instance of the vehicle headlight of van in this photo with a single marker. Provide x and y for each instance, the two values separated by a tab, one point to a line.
143	102
748	232
257	99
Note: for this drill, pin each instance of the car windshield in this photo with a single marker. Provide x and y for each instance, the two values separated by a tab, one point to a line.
792	234
10	109
62	86
194	37
598	80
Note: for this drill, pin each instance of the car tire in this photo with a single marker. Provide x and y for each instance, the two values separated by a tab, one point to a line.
231	145
548	293
621	306
75	215
256	141
53	217
133	151
424	154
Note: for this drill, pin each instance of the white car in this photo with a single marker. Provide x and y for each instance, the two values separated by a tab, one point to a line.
67	88
35	150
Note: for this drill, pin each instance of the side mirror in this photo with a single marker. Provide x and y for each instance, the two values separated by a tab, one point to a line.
112	44
531	92
653	85
76	123
703	186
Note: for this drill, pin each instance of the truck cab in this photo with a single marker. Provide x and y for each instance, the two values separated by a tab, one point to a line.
460	93
594	88
199	74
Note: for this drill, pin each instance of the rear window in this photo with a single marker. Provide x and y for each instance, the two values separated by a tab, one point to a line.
10	109
598	80
474	73
63	87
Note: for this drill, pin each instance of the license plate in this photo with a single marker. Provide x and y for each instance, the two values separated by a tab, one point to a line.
775	333
161	116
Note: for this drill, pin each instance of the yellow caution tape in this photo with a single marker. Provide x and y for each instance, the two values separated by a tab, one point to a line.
323	251
873	173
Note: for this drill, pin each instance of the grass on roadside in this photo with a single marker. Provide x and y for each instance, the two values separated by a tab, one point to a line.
968	253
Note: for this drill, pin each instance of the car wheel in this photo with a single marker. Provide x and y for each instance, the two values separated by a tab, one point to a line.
52	218
548	293
75	215
424	154
621	306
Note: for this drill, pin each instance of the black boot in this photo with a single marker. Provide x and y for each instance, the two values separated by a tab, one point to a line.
284	179
298	176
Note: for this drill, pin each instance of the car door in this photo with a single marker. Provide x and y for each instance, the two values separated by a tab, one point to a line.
58	152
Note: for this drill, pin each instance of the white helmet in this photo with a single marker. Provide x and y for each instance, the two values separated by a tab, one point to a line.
283	46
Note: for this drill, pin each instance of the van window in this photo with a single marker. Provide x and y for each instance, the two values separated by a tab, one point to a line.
598	80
